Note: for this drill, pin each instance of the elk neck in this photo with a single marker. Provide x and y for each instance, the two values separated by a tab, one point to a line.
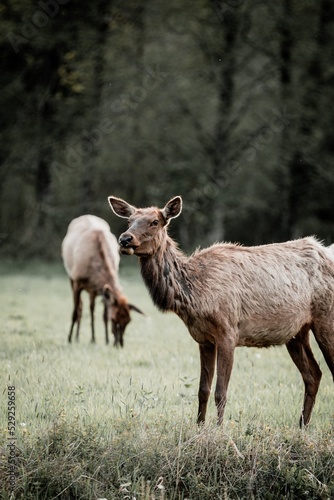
166	276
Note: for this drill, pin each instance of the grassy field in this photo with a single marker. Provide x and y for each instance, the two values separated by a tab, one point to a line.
95	422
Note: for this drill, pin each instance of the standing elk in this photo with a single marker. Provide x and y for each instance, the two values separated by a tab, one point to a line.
229	295
91	258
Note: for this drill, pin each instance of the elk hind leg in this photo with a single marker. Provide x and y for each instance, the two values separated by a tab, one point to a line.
324	336
300	351
207	358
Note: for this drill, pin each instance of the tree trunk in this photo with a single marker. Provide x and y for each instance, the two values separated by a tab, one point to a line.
286	48
303	158
90	166
220	151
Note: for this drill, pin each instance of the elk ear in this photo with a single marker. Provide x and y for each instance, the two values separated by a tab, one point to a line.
135	308
121	207
173	208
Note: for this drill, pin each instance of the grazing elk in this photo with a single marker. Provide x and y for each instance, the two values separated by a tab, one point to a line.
230	295
91	258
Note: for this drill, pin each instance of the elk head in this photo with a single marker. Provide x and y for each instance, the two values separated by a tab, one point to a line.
146	226
118	310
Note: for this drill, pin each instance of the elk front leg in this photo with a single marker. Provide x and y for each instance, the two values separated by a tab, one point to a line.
76	309
225	355
92	308
208	358
105	319
78	320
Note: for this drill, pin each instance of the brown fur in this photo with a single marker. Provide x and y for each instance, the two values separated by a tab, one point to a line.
230	295
91	259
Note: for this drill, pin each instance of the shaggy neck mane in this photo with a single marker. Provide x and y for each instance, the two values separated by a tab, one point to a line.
166	278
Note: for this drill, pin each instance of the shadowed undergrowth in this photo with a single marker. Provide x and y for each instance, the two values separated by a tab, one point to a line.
131	459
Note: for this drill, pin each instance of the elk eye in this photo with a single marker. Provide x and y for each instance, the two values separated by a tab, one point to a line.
155	223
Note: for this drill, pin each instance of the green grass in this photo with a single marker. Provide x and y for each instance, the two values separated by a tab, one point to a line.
95	422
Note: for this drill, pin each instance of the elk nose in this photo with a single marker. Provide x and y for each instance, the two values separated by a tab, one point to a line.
125	239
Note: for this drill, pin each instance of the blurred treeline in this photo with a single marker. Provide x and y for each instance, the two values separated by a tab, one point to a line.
229	104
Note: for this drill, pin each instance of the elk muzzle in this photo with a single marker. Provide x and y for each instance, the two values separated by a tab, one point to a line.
126	243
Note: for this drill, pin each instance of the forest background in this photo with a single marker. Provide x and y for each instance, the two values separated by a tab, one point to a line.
229	104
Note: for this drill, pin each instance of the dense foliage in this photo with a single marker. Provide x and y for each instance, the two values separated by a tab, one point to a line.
226	103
